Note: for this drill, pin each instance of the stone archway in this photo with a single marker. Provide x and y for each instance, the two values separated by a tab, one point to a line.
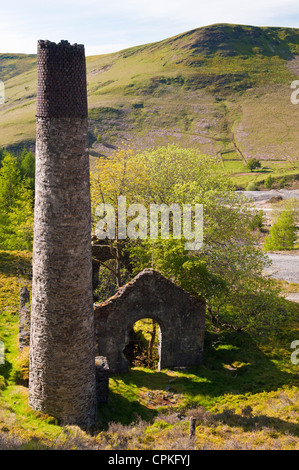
181	318
136	341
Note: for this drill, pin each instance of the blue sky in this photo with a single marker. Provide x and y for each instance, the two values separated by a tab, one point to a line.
105	26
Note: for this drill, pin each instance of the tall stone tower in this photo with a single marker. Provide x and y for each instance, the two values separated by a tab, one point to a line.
62	356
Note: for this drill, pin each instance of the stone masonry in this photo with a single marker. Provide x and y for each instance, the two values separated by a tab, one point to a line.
24	318
181	318
62	357
102	379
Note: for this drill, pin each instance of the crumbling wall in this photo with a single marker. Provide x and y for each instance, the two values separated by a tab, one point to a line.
181	318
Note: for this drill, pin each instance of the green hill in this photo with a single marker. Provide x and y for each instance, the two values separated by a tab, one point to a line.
223	88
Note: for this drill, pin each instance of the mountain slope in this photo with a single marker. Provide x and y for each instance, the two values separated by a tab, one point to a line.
223	88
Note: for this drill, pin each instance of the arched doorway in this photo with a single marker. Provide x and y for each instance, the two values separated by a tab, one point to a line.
143	346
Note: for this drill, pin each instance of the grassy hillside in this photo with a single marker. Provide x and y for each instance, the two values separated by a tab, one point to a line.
244	396
16	64
223	88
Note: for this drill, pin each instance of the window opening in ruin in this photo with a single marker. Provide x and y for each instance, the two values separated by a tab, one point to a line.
144	344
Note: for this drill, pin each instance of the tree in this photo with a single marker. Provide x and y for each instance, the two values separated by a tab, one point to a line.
16	207
236	292
253	163
283	233
228	269
118	175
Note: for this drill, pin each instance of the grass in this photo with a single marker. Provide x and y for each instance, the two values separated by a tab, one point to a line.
245	395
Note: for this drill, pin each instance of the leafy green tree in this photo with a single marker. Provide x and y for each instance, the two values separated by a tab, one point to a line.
118	175
16	207
253	163
236	292
257	221
228	269
283	233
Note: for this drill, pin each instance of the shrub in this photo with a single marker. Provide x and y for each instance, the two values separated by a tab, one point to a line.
282	183
275	199
257	221
251	187
269	182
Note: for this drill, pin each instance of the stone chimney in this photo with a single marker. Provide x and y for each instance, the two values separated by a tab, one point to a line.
62	357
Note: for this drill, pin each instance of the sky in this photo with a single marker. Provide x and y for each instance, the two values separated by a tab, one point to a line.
105	26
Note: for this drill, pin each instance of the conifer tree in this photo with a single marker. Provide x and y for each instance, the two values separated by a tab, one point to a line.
16	207
282	235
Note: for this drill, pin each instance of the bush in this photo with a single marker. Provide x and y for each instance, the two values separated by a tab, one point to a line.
269	182
275	199
257	221
251	187
282	183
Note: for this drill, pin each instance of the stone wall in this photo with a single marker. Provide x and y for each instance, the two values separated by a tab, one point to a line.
102	379
24	319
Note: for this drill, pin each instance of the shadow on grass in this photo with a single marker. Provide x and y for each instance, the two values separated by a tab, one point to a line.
233	364
122	410
262	170
257	423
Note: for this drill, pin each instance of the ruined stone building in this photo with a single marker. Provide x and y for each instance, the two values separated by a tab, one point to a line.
180	316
